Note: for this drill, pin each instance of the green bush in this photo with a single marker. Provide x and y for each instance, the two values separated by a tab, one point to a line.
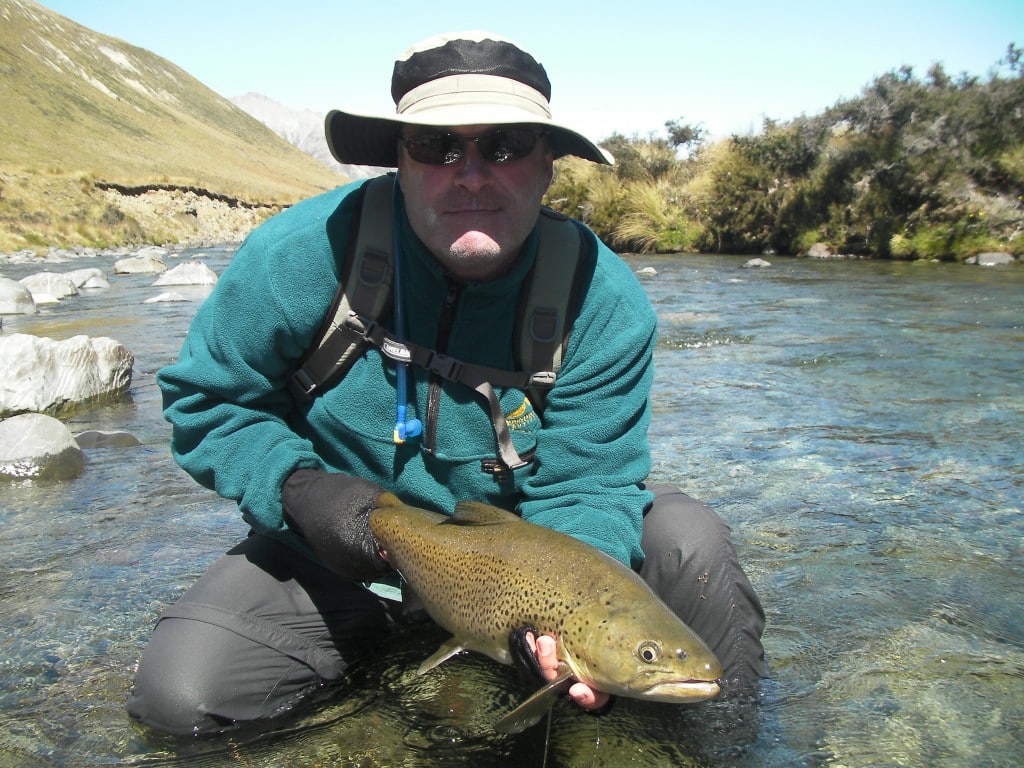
927	168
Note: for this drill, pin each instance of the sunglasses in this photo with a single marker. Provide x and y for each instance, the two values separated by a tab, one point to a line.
499	146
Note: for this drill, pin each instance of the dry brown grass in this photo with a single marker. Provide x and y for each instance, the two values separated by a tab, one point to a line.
79	107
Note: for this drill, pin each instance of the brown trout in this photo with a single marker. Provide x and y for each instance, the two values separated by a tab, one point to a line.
483	572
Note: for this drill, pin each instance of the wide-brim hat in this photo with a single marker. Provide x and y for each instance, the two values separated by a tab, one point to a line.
465	78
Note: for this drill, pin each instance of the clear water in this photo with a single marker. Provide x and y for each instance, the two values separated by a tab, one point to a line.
857	423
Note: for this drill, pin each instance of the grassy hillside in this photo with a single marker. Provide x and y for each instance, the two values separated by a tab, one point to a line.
80	107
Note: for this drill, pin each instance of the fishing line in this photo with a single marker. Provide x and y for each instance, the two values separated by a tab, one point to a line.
547	738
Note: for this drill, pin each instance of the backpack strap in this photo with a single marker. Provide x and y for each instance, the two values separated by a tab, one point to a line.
364	291
549	305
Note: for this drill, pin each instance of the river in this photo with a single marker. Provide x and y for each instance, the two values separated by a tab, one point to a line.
857	423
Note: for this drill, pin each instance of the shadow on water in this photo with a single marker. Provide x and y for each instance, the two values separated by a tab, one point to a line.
856	424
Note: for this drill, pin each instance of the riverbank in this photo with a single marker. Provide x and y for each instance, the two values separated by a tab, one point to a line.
43	211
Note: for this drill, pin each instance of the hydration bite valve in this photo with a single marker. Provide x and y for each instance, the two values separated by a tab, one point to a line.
405	428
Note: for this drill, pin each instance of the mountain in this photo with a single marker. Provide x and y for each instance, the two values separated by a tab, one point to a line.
303	129
80	108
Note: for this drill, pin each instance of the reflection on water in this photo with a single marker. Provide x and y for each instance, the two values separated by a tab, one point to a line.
856	423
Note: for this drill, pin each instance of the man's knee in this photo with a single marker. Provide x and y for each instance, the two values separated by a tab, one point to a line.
259	630
197	677
690	562
677	525
180	681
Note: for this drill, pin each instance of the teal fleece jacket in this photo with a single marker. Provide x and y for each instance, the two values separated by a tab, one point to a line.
237	431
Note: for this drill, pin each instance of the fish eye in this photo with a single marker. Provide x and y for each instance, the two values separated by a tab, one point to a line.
649	651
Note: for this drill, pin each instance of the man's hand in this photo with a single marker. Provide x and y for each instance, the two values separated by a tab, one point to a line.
331	511
546	650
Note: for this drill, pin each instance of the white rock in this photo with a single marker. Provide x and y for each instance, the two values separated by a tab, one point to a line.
36	446
189	273
15	298
44	375
90	277
49	284
752	263
152	252
139	265
647	272
165	297
995	259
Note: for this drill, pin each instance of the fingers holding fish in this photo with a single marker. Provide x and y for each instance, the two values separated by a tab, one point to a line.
547	655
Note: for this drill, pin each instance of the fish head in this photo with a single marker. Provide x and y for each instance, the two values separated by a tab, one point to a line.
639	651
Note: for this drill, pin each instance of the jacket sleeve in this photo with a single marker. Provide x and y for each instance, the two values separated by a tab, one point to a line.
226	397
592	453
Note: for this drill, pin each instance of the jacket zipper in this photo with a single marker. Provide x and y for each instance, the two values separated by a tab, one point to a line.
444	332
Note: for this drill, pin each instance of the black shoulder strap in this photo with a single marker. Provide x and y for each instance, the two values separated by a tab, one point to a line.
364	291
548	306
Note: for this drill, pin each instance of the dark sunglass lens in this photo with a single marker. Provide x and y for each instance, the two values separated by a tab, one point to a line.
434	148
507	145
504	145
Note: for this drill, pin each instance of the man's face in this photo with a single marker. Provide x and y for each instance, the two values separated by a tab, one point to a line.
473	214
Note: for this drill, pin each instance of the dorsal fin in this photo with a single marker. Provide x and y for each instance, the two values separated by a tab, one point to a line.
479	513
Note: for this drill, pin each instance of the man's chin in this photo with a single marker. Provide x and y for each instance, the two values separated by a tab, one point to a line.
475	245
477	256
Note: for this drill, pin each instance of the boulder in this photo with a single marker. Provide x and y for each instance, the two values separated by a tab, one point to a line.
48	376
102	438
90	277
819	251
647	272
139	265
15	298
994	259
755	263
153	252
168	296
49	284
39	447
188	273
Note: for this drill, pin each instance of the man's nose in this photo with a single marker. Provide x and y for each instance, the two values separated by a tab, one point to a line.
472	170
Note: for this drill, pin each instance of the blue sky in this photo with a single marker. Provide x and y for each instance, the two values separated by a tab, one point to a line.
626	66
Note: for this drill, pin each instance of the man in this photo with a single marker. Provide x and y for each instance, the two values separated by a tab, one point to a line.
287	609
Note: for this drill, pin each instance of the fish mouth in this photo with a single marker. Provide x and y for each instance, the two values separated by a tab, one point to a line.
683	691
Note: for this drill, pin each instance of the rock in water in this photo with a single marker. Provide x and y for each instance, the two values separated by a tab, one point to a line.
39	447
189	273
15	298
44	375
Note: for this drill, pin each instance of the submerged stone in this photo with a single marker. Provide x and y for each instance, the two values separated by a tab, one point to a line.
39	447
101	438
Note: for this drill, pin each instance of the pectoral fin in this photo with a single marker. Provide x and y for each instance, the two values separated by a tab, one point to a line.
448	649
531	711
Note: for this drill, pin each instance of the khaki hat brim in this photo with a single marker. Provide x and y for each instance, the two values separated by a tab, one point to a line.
373	140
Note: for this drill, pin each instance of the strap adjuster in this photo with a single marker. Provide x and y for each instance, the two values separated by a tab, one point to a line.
444	366
302	385
543	379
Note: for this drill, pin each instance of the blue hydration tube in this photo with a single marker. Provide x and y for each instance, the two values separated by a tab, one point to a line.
403	427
